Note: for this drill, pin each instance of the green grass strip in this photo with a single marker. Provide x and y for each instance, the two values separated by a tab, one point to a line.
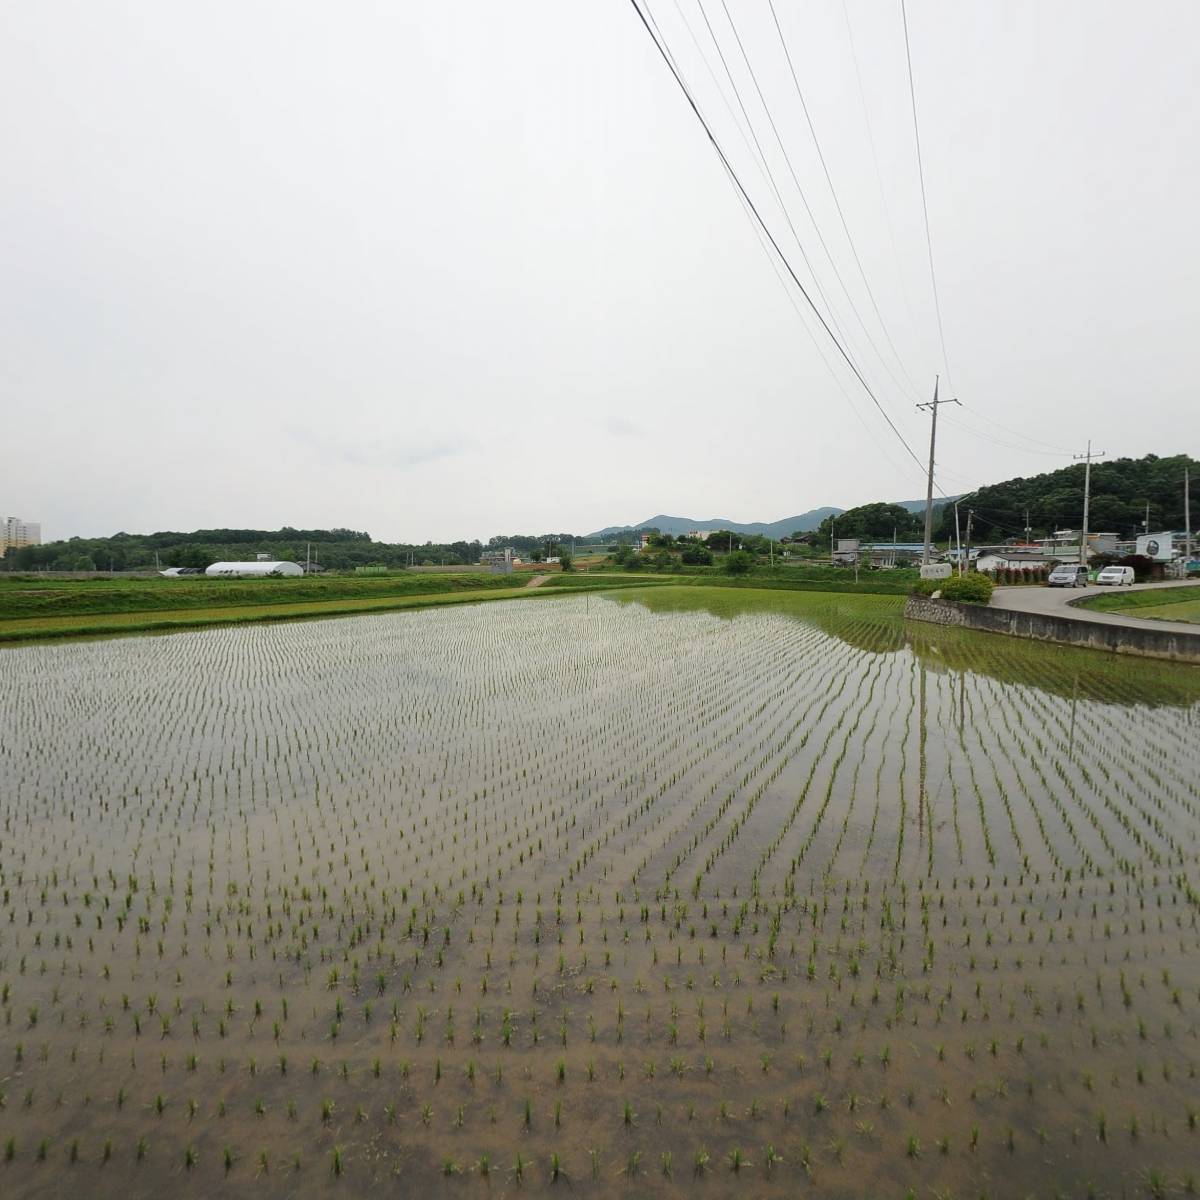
31	629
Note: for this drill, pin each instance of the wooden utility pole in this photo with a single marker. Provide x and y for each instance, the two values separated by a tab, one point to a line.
1187	524
932	405
1087	456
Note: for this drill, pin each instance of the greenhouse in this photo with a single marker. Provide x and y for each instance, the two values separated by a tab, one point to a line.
242	570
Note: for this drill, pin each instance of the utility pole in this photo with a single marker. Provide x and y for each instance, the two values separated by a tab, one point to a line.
1087	456
932	405
970	518
957	536
1146	522
1187	524
1028	529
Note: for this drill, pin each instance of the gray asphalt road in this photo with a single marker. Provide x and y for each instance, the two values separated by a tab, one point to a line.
1059	602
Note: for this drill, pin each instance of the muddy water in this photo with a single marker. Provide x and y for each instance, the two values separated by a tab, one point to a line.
698	891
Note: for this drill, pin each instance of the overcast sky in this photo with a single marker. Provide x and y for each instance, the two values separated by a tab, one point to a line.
450	270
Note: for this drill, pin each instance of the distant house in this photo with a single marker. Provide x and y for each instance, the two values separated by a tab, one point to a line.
499	562
890	554
1009	560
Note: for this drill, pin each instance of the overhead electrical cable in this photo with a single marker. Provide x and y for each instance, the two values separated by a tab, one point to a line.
983	435
766	166
791	299
771	258
740	188
912	92
1015	433
887	212
799	188
862	274
716	85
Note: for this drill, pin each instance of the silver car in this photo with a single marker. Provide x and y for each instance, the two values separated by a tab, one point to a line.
1069	575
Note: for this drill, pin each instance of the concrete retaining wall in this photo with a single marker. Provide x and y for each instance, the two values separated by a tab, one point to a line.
1119	639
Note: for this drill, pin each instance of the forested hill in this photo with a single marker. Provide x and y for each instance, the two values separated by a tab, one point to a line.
1120	490
337	548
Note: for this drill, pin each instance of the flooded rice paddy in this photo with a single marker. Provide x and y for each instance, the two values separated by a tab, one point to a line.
687	892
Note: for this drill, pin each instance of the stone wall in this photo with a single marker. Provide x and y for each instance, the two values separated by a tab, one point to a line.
936	612
1144	642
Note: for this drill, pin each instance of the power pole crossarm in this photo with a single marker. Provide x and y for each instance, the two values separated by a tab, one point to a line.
932	405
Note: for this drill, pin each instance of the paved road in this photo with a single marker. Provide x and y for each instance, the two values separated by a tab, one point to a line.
1060	602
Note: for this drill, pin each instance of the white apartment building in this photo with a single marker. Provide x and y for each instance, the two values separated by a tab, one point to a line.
15	533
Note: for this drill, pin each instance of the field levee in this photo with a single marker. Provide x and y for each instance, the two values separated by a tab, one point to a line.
1125	638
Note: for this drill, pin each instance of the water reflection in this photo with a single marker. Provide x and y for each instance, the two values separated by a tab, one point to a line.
875	624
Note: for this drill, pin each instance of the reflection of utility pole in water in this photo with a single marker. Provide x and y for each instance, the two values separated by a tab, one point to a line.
1074	702
962	702
921	760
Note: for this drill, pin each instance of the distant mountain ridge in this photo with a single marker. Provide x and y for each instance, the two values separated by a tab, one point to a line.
803	523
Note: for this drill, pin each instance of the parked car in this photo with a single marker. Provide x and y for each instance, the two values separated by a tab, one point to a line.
1116	577
1069	575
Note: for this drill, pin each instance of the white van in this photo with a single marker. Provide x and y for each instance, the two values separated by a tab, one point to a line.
1068	575
1116	577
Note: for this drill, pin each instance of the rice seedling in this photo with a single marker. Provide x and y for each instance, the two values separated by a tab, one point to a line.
739	849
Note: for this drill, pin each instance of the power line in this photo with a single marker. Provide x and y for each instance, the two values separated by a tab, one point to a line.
887	212
1016	433
716	145
804	198
983	435
766	167
912	92
833	192
791	299
758	235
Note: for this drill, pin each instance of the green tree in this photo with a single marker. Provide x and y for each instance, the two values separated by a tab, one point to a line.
739	562
873	521
723	539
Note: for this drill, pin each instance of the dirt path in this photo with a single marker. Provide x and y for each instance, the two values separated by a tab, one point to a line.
537	581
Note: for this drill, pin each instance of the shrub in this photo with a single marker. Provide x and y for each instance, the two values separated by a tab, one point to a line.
697	556
739	562
972	588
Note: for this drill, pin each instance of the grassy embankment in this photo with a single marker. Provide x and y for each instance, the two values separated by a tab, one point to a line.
1157	604
35	608
32	608
799	578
